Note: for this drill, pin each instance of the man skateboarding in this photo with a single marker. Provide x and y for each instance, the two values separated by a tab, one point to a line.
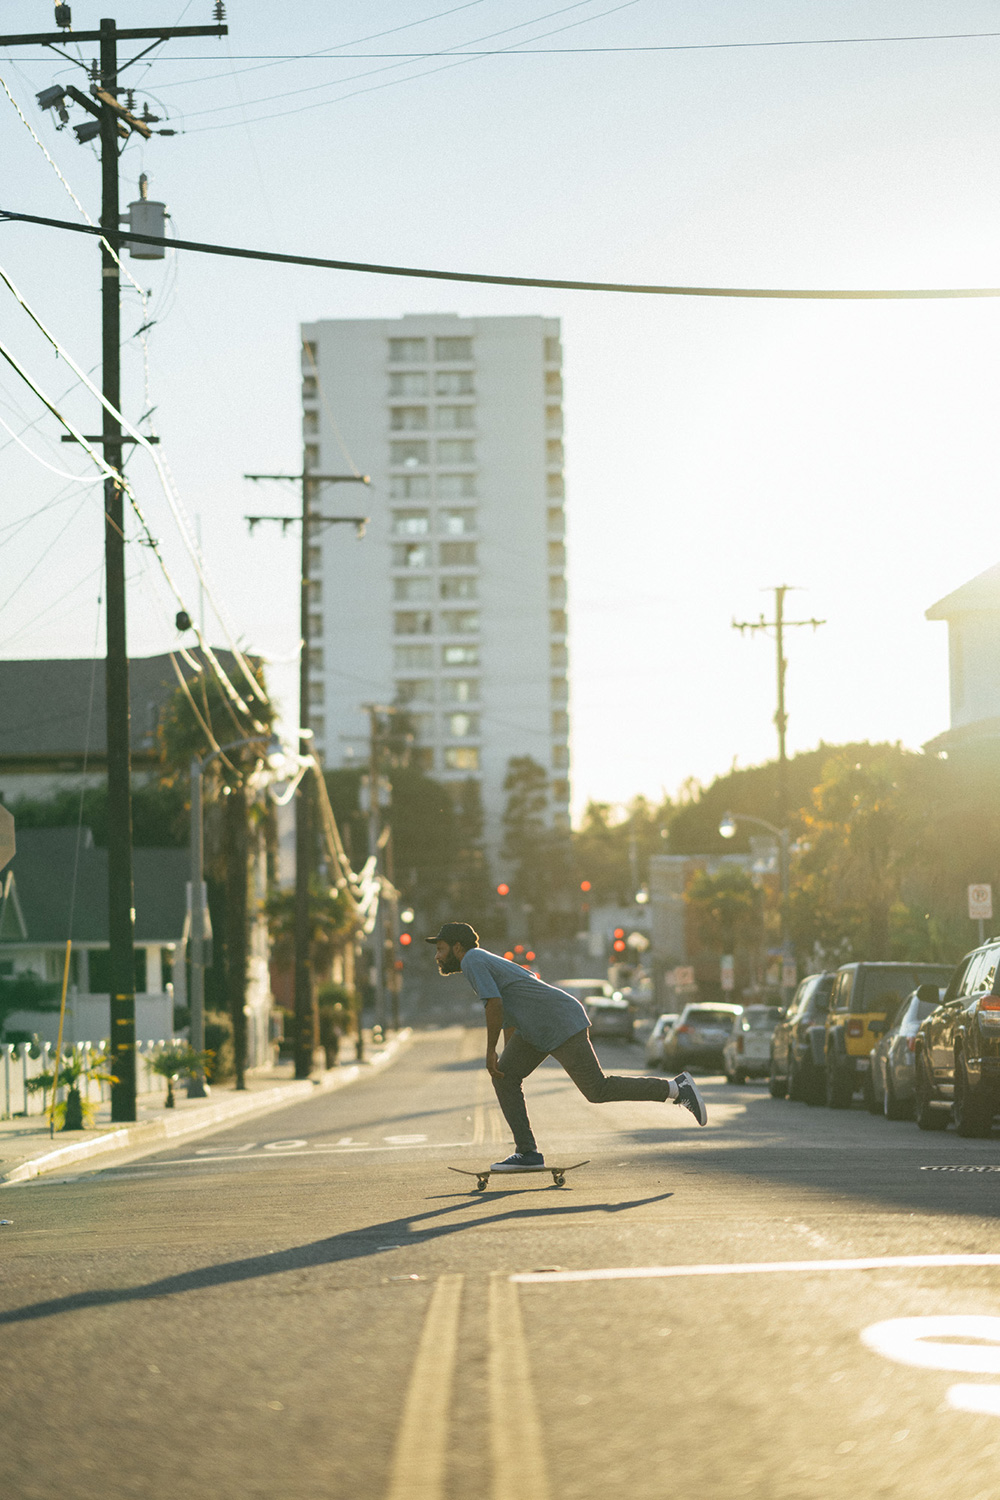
540	1021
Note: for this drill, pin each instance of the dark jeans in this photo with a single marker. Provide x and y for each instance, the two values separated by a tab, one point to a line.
578	1057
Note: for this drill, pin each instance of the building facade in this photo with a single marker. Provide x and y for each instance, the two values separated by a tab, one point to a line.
453	607
973	616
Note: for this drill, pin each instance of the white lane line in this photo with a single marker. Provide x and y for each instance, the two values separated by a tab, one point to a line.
758	1268
186	1161
519	1471
418	1465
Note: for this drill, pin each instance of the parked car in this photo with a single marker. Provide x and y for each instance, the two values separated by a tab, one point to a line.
891	1072
582	989
611	1017
957	1051
747	1050
654	1042
798	1042
863	995
699	1035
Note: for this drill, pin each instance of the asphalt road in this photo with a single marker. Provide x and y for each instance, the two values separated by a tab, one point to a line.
315	1307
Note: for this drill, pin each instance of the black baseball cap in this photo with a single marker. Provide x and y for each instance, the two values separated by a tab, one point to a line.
456	932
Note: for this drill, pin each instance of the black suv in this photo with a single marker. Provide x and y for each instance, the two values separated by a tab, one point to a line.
798	1061
958	1050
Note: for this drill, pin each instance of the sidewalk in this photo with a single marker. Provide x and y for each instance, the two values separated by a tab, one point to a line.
27	1149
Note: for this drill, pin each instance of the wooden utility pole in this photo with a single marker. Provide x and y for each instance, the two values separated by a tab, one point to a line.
779	625
306	1031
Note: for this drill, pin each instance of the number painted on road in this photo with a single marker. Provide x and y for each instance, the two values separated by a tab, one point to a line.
919	1342
284	1145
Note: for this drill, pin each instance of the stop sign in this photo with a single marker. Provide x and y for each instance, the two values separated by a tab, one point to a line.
7	845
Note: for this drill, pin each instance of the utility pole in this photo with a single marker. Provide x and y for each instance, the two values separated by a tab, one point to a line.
114	121
305	1009
779	625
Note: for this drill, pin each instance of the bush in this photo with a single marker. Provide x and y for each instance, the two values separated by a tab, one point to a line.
219	1041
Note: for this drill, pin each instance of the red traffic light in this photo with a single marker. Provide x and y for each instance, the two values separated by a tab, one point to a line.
585	885
529	955
619	945
619	932
503	890
518	947
508	954
406	939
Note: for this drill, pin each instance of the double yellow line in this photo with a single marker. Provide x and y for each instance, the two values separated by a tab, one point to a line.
420	1461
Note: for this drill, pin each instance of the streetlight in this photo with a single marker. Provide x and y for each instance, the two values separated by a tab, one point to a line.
196	1082
727	828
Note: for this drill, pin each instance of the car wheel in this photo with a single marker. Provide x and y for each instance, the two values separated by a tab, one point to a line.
974	1108
893	1108
838	1086
813	1085
795	1088
927	1117
872	1104
776	1085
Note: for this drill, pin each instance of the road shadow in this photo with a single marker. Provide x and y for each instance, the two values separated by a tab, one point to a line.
410	1230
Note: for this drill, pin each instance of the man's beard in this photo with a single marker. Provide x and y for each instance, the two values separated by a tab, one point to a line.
450	965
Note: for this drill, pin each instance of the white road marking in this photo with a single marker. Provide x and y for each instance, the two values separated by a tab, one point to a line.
404	1140
763	1267
192	1161
284	1145
912	1341
418	1466
982	1399
519	1470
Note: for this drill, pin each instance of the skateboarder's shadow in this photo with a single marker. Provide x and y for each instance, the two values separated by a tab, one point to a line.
354	1244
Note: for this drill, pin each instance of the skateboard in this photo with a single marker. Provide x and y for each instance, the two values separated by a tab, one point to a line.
482	1178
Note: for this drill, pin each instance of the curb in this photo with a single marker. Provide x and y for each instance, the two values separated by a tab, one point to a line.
151	1132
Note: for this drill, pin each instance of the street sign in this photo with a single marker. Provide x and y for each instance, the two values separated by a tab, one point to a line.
981	902
8	846
682	977
789	974
727	972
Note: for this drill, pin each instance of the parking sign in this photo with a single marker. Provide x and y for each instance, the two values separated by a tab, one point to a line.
981	902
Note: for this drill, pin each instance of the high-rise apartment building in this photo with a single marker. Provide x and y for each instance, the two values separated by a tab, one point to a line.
454	604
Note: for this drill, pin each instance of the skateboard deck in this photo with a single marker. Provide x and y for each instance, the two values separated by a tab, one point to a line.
482	1177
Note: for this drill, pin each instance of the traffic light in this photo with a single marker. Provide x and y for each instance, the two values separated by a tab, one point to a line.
503	890
518	947
585	886
405	939
509	954
529	956
619	944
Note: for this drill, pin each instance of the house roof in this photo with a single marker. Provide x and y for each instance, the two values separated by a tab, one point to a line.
981	593
58	707
43	870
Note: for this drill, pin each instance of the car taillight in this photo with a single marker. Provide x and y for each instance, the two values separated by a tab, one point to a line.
682	1031
855	1028
989	1008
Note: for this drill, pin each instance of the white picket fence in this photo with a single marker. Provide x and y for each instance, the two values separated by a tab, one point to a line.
22	1061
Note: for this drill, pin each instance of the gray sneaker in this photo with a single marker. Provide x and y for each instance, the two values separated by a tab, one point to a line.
689	1098
520	1161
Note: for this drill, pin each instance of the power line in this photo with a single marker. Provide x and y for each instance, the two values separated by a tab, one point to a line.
795	294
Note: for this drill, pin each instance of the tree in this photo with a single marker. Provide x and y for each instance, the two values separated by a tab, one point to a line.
538	856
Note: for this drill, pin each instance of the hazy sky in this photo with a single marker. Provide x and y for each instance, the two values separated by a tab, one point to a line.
714	448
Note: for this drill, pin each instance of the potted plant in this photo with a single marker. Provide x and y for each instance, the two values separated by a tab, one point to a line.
75	1112
177	1060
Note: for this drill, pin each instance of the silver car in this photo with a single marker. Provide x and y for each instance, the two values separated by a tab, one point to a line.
699	1035
890	1086
747	1052
655	1040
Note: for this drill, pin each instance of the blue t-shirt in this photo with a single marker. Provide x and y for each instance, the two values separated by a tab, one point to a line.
544	1016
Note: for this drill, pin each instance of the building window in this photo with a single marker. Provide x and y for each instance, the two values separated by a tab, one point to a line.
408	418
411	522
310	423
413	590
560	791
553	351
317	724
310	390
413	658
315	658
458	554
409	487
447	350
559	689
461	758
460	656
407	351
463	726
560	757
557	622
558	656
413	622
315	591
560	722
456	451
415	690
453	383
555	486
553	383
409	455
460	587
309	354
315	626
411	555
553	419
554	453
456	522
460	689
315	558
422	726
312	456
557	520
409	383
557	554
459	621
557	589
454	418
456	486
317	696
422	756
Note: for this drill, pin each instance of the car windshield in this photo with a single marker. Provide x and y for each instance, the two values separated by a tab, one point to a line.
765	1019
710	1018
